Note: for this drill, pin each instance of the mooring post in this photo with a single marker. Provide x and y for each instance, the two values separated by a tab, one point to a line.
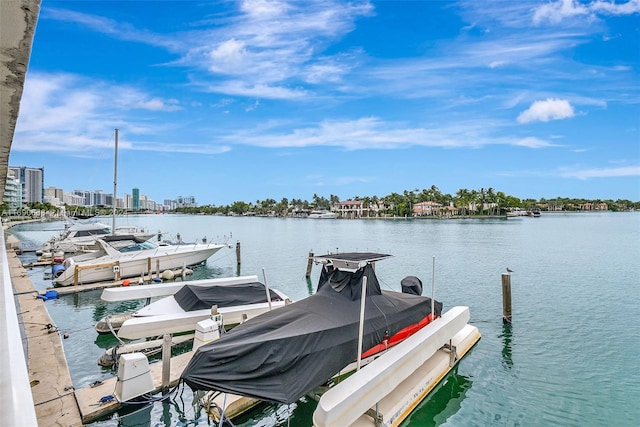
309	264
166	361
506	298
157	268
238	259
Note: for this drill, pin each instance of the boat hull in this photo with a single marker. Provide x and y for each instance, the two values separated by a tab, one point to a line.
164	258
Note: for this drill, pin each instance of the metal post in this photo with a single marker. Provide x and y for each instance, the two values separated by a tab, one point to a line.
433	289
115	181
363	296
266	285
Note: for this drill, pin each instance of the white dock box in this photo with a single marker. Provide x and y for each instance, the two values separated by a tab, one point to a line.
134	377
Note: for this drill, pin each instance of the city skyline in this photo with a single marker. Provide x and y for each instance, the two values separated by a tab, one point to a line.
247	100
89	198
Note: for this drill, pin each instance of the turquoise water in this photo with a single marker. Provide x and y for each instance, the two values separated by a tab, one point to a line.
571	358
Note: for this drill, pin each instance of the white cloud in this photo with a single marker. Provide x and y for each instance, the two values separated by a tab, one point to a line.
550	109
69	113
533	143
613	8
602	172
242	88
556	12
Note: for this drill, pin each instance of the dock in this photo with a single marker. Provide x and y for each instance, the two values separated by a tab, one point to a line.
51	386
89	398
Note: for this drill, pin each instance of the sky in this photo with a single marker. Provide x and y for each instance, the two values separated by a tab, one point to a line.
243	101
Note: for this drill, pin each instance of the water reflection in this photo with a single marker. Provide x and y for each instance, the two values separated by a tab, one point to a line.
507	360
138	418
443	403
279	415
309	286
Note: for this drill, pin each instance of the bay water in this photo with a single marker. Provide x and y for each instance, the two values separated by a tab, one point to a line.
570	358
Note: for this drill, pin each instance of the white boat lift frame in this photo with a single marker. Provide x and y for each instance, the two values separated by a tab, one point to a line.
384	392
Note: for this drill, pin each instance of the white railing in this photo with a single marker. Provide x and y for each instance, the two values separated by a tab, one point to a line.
16	401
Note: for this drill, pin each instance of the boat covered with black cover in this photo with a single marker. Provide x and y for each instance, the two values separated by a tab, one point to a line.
286	353
192	298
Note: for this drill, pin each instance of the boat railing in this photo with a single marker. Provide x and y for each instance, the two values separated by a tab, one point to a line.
16	400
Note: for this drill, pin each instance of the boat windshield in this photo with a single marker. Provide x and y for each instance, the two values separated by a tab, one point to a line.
132	246
91	232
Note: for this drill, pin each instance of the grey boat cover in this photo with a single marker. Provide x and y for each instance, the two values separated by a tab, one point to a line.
286	353
192	298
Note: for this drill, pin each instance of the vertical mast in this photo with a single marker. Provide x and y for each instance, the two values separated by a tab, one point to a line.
115	184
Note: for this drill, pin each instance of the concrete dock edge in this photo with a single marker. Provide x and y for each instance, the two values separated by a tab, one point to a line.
51	385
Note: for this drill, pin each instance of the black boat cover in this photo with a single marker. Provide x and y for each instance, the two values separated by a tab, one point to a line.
286	353
192	298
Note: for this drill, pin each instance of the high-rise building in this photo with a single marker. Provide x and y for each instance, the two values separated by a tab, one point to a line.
31	181
135	193
12	191
87	197
54	196
188	201
127	201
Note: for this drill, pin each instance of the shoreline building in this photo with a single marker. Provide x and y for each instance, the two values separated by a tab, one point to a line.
31	182
12	192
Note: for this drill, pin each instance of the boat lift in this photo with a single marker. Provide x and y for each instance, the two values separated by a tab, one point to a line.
387	390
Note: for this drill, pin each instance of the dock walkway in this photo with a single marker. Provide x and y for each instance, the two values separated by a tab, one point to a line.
51	386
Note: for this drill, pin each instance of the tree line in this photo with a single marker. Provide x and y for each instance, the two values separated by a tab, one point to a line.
468	202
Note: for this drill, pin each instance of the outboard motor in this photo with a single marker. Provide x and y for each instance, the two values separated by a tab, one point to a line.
411	285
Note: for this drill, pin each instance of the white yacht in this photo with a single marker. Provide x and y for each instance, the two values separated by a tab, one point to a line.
120	257
322	214
81	237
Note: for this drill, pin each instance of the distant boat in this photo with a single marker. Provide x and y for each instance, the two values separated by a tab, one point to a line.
120	257
535	212
516	213
322	214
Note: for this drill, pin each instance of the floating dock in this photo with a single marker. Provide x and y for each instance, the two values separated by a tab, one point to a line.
89	398
51	385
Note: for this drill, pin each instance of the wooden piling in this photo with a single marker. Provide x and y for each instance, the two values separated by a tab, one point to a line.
506	298
166	361
309	264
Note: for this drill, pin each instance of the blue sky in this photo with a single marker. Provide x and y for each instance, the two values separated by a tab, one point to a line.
249	100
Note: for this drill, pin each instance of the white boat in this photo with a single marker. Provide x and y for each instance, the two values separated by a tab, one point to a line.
192	303
119	257
322	214
516	213
169	303
81	237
